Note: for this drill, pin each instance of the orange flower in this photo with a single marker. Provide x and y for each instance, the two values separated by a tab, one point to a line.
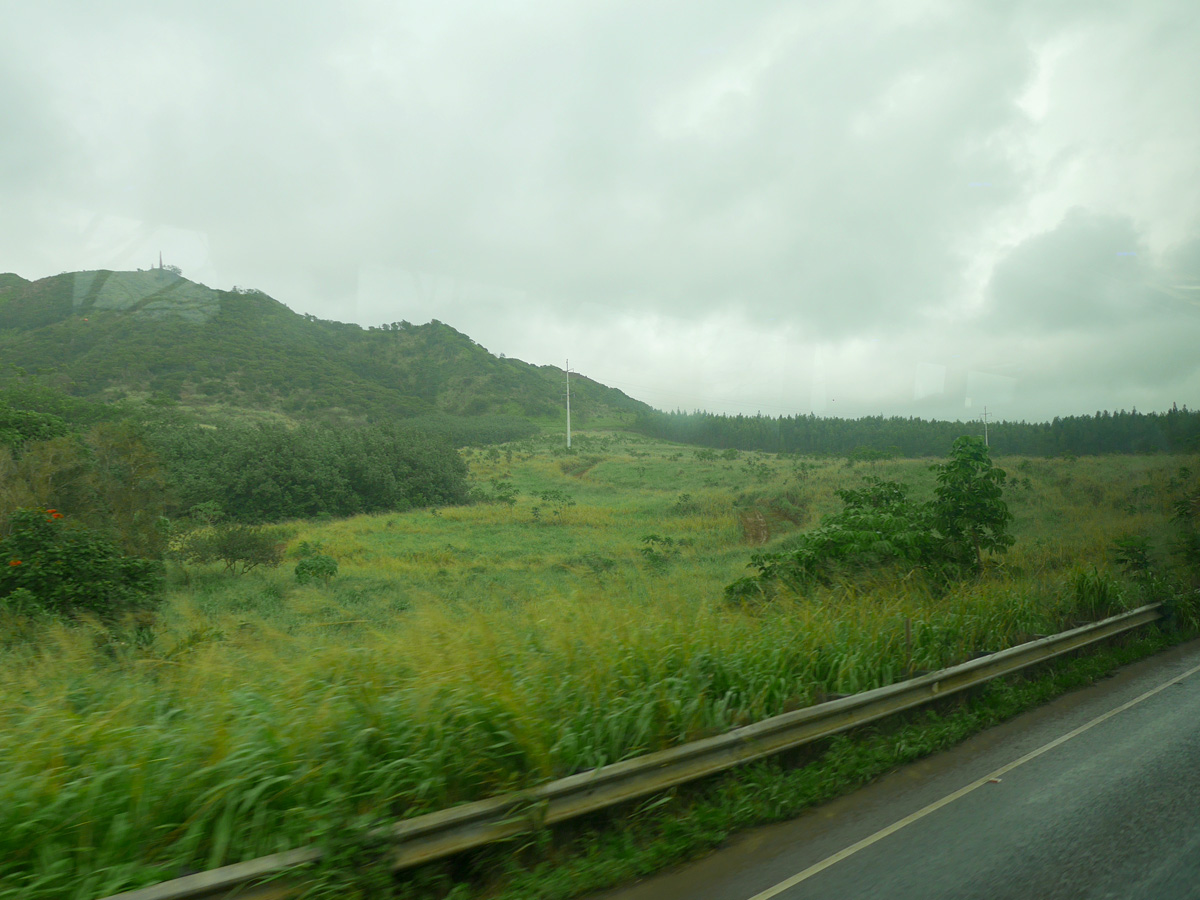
56	515
14	562
51	511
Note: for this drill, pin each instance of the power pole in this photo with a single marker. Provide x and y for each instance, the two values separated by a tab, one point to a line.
985	431
568	404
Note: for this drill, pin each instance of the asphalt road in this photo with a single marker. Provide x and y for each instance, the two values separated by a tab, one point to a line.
1096	795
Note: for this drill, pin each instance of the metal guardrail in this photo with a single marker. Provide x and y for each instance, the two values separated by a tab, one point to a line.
449	831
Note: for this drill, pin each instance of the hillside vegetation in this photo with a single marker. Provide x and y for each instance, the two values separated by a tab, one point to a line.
574	615
134	334
220	355
267	580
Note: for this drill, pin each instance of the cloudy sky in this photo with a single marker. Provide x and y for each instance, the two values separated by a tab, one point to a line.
849	208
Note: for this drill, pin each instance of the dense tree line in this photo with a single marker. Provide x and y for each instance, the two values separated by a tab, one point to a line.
1174	431
268	473
121	468
87	507
462	431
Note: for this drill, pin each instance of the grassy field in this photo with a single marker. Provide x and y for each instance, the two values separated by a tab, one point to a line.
466	651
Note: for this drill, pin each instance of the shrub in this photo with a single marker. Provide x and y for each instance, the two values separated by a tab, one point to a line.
969	512
558	501
658	551
65	568
1186	516
686	505
313	568
878	526
502	492
1132	554
240	547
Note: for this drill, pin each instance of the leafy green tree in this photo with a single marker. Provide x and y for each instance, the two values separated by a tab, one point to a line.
240	547
1186	516
18	426
316	567
108	478
66	568
128	488
879	526
968	513
558	501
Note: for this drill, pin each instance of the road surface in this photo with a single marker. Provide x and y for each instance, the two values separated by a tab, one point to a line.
1095	795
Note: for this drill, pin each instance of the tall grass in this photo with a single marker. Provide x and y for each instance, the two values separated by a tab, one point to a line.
468	651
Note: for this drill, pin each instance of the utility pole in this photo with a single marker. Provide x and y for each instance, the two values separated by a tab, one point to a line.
568	404
985	431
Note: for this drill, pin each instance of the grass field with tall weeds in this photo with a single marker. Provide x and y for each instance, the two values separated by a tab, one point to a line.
572	618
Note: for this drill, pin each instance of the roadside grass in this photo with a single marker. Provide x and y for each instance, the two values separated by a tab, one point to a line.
462	652
642	839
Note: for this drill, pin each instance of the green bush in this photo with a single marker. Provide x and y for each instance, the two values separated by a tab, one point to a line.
65	568
314	568
558	501
879	526
240	547
1186	516
19	426
658	551
1132	554
969	512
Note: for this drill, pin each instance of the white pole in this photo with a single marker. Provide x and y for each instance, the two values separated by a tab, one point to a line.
568	404
985	433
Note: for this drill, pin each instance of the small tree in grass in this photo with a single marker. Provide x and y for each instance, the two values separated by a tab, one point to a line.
969	513
240	547
314	565
314	568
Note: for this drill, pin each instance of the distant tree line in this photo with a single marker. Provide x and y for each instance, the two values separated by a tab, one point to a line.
268	473
122	476
92	494
1174	431
462	431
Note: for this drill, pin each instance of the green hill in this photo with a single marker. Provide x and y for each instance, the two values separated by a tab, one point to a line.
112	335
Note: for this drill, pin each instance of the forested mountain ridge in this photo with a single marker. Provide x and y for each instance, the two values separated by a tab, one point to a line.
153	334
114	334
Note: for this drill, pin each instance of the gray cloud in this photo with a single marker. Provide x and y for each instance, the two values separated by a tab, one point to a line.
1089	273
859	208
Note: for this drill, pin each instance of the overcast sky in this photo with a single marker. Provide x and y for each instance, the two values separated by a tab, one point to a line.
907	208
